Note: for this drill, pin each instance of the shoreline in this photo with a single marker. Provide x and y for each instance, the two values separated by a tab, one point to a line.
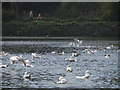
58	38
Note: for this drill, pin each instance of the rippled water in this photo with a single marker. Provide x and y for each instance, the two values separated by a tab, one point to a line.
47	70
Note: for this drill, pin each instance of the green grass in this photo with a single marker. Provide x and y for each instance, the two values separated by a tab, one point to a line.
59	27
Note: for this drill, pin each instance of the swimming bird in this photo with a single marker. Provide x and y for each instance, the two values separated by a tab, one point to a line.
88	51
71	59
26	75
17	58
69	68
78	41
53	52
109	47
71	44
107	56
87	75
4	66
34	55
4	54
85	50
62	80
62	53
75	54
66	59
28	64
102	49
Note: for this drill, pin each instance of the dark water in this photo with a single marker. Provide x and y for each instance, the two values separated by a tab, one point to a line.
104	71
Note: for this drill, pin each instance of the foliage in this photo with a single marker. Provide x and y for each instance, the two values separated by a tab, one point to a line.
61	19
52	28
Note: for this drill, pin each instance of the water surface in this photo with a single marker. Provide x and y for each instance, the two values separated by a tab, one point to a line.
47	70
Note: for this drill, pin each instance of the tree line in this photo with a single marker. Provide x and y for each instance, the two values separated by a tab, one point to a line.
67	16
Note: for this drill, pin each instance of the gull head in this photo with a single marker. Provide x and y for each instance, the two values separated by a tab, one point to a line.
60	78
27	61
25	73
88	72
21	56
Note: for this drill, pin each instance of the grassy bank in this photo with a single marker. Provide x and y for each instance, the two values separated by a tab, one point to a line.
57	27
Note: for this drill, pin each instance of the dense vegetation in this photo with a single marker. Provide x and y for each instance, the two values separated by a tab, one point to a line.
61	19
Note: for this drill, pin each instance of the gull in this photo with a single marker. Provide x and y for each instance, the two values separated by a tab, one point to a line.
69	68
107	56
62	53
78	41
4	66
71	44
71	59
66	59
87	75
4	54
26	75
89	51
17	58
102	49
28	64
35	56
109	47
84	50
53	52
62	80
75	54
